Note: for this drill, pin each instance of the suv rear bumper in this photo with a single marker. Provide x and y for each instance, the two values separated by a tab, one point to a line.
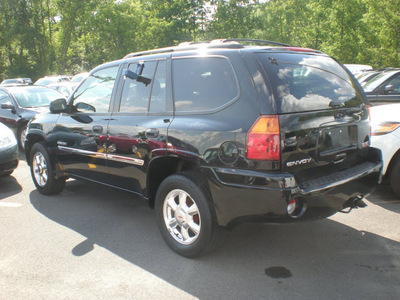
243	195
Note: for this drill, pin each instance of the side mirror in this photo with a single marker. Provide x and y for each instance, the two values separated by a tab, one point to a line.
388	89
58	106
9	106
84	107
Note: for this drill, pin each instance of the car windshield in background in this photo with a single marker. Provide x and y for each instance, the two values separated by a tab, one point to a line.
35	97
377	81
307	83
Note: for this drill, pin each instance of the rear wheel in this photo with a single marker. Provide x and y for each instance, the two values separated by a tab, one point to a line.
42	172
395	177
184	216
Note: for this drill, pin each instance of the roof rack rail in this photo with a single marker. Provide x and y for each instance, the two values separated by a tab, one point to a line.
154	51
225	43
251	41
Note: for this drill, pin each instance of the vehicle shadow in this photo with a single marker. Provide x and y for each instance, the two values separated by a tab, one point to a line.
385	197
316	260
9	186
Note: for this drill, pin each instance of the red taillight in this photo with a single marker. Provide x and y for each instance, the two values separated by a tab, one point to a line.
263	139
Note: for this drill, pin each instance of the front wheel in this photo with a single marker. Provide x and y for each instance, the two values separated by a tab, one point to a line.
184	216
42	172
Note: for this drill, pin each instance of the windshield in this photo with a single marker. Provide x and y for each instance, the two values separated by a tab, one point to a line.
377	81
308	82
35	97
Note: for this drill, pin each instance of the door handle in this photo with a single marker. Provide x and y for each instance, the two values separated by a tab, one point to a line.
97	129
152	133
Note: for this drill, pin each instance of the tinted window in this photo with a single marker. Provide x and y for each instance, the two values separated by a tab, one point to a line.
203	83
308	82
135	95
94	95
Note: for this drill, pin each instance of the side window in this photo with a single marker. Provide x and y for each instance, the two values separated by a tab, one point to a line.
4	98
158	99
203	83
395	82
94	95
136	94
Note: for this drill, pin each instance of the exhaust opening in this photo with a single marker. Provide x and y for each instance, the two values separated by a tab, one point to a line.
296	208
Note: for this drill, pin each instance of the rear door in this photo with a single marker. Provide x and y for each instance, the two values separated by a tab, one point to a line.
324	122
137	131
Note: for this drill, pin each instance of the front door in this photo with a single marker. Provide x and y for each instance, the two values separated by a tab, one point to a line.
80	134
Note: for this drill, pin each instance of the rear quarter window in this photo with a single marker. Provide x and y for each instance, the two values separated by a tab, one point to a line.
203	83
308	82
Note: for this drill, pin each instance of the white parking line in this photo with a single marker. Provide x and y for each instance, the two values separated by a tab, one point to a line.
10	204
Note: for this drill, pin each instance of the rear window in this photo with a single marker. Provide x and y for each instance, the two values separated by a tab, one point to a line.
203	83
308	82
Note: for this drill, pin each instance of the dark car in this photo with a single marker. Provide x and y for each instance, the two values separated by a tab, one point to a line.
20	104
384	88
214	134
9	155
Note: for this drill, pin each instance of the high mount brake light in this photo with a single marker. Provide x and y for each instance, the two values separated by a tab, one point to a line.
263	139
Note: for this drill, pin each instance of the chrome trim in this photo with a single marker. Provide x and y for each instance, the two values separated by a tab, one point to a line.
127	160
118	158
83	152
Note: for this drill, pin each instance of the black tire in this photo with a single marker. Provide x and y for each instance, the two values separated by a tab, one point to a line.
195	197
43	173
395	177
22	137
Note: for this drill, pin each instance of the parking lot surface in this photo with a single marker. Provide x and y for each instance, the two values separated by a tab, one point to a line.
93	242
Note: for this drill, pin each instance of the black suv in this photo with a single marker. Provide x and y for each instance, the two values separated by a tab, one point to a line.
213	134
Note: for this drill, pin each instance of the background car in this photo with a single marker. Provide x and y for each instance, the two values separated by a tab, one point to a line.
17	81
385	124
66	88
20	104
77	78
9	154
364	77
52	79
384	88
355	68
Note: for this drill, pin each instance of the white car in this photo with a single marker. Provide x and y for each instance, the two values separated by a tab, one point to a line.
385	128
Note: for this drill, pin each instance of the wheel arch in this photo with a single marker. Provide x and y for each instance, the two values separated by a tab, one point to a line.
31	139
162	167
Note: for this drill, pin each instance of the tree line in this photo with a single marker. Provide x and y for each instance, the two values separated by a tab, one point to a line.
43	37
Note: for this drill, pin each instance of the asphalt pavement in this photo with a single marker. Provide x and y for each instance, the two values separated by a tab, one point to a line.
94	242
